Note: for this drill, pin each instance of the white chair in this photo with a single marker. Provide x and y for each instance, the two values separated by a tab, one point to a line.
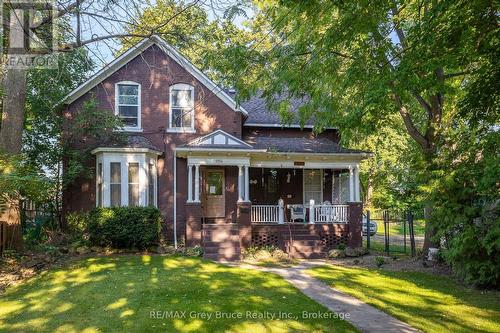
297	212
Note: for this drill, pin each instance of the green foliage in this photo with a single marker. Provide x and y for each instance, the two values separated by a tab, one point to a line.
91	126
207	43
123	227
19	178
195	251
379	261
466	211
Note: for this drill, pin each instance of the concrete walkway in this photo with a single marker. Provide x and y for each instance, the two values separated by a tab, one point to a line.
361	315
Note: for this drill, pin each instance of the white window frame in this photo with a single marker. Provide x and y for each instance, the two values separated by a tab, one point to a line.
304	186
152	161
124	158
138	128
190	129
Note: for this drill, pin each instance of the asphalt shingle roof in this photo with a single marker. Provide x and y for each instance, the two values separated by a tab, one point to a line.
298	145
136	141
259	113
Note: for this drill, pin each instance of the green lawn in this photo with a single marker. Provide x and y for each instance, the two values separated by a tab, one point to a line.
426	302
121	294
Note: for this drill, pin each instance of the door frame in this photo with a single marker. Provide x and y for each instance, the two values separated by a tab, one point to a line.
204	194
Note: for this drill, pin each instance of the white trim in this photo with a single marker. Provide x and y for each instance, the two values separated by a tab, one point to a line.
125	150
125	159
219	160
171	129
198	141
133	52
304	187
138	128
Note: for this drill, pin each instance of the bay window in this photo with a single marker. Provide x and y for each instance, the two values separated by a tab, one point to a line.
126	178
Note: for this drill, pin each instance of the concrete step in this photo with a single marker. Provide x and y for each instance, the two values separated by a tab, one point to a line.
223	244
305	242
228	252
218	257
221	237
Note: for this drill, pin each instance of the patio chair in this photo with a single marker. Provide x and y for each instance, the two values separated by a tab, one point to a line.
297	212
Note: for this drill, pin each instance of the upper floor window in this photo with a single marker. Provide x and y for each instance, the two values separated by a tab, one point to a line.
128	104
181	116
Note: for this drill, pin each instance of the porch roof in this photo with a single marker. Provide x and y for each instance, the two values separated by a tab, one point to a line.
299	145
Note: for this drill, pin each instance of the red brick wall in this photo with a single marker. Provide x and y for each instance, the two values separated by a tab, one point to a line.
156	72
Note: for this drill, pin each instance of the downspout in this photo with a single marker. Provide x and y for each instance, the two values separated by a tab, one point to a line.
175	198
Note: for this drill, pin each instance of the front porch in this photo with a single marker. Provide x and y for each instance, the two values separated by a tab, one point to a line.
238	197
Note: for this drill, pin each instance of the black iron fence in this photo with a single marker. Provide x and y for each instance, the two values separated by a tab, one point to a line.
392	231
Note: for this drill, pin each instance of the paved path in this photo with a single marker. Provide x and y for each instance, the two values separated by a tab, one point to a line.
363	316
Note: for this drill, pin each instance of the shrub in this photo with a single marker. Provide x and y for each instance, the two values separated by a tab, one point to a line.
379	261
123	227
193	251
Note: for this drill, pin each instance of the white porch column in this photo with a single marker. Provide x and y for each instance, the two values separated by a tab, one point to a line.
281	212
351	184
196	183
357	195
247	185
311	211
240	183
190	183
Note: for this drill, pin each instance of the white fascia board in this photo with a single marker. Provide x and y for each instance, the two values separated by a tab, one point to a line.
193	142
193	70
133	52
107	71
125	150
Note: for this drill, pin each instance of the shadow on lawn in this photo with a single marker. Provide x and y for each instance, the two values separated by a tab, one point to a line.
124	294
431	303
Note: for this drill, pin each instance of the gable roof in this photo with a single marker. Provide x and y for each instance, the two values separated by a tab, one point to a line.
136	50
218	139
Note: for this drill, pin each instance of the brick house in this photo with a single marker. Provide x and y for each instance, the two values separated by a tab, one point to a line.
225	176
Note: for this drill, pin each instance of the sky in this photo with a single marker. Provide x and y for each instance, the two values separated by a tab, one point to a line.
103	52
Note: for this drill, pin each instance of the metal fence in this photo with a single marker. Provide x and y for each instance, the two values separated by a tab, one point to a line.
390	231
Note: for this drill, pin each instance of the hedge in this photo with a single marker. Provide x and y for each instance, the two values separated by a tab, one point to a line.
123	227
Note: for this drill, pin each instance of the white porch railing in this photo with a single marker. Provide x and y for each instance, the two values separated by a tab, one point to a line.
265	213
330	213
317	213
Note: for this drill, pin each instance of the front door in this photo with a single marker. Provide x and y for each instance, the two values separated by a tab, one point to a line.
214	204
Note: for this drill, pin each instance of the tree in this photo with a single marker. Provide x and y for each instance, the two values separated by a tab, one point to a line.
362	61
205	43
43	147
109	16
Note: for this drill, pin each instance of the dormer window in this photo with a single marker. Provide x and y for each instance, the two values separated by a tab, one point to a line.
128	105
181	116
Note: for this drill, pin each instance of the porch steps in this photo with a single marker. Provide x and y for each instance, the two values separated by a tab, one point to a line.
307	249
221	242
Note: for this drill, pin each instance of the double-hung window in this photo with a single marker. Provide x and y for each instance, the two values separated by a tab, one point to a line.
313	186
128	104
181	116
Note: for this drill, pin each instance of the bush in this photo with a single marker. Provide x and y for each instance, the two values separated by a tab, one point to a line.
379	261
123	227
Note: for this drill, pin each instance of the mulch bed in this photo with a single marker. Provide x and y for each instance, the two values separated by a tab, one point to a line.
397	263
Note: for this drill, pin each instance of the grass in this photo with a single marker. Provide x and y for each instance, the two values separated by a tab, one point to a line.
120	294
394	249
426	302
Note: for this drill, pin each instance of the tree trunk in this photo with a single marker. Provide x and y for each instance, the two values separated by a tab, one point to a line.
11	135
